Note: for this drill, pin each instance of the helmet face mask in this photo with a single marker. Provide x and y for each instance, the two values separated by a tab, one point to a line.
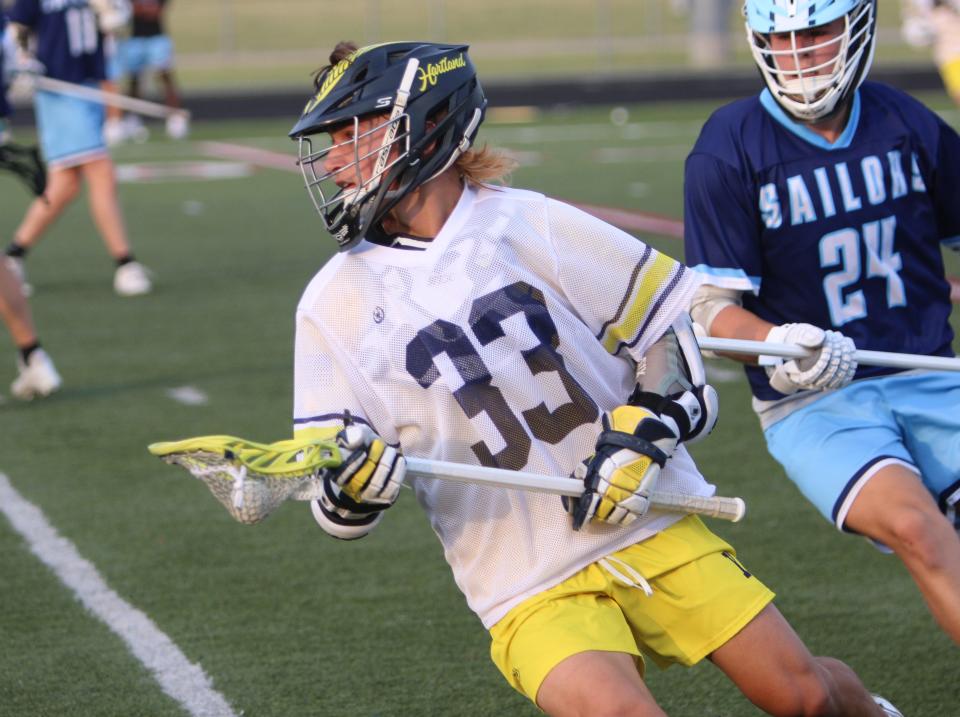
398	115
812	55
344	177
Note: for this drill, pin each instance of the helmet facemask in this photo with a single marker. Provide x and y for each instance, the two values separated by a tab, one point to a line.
375	151
812	93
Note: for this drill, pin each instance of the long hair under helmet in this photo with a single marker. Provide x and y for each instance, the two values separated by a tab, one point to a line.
431	104
812	93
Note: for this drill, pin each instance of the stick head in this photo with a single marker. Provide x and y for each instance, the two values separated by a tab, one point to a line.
252	479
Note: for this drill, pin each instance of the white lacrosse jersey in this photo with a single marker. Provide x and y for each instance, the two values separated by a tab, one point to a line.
499	344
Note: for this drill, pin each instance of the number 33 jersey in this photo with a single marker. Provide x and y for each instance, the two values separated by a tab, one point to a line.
500	344
845	236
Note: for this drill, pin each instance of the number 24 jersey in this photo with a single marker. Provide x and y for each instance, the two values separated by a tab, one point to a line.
845	236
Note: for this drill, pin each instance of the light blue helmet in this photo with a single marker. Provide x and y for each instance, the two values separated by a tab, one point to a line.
805	89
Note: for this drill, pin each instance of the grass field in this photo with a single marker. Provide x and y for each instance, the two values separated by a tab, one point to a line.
285	621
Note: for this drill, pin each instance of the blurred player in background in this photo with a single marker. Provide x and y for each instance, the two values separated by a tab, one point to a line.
817	213
69	47
936	23
149	48
473	323
37	375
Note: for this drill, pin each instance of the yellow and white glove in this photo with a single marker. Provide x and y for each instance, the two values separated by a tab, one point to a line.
366	483
372	471
619	477
831	365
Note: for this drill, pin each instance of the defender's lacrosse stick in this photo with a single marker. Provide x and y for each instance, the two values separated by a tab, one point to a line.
252	479
26	164
866	358
112	99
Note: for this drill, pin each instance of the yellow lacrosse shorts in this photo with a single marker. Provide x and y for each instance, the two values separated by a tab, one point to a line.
702	596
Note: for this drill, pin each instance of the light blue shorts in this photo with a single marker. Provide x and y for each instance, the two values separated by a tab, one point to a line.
136	54
833	446
70	129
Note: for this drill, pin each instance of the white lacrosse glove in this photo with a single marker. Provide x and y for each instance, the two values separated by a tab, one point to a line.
831	364
618	479
371	472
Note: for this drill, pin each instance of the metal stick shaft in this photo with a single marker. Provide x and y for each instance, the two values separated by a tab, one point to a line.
866	358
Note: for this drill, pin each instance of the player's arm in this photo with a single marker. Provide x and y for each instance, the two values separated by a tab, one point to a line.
328	404
721	241
672	404
830	365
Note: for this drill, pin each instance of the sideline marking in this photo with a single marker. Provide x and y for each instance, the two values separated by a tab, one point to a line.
188	395
182	680
181	171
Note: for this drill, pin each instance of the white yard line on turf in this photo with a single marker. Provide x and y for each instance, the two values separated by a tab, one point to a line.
182	680
188	395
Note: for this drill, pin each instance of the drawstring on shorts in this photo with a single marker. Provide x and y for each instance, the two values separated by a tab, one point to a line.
633	578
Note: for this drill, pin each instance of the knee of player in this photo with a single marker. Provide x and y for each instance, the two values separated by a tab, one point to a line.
807	697
623	705
918	533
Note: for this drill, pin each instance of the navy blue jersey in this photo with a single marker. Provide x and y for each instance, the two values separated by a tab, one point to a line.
4	106
845	236
69	43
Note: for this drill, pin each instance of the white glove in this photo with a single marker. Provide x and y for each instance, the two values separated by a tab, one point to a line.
619	477
372	471
831	364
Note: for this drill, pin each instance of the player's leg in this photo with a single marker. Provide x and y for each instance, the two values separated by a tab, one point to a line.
775	671
37	375
131	278
869	440
105	205
597	683
894	508
570	650
63	185
14	309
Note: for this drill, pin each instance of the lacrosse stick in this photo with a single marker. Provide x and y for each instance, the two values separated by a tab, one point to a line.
112	99
866	358
26	164
252	479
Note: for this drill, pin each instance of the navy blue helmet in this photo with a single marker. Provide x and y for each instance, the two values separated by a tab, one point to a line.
425	105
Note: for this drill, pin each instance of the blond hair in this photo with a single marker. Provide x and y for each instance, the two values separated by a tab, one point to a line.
485	165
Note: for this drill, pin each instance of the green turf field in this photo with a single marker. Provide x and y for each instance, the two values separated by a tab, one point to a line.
285	621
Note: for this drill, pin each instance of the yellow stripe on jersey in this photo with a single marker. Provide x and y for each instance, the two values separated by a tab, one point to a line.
645	287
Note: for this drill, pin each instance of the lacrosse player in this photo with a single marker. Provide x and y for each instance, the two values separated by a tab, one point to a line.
150	48
816	213
936	23
69	47
468	322
37	375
